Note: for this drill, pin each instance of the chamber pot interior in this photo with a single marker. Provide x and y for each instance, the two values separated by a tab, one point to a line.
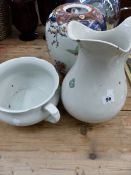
24	86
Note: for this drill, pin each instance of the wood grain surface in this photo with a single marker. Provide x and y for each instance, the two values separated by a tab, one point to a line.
69	147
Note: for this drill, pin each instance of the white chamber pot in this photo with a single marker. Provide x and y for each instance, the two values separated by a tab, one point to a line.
28	91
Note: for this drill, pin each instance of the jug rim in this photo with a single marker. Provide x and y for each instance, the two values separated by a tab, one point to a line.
79	36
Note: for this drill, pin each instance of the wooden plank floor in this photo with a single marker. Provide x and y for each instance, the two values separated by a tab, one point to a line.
68	148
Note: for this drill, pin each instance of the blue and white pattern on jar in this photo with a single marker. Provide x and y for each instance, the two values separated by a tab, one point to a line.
110	9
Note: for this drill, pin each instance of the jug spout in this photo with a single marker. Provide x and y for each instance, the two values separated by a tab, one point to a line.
118	38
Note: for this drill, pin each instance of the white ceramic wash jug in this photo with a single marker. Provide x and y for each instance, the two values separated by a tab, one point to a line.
95	88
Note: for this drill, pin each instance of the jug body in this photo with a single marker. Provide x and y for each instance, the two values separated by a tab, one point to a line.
95	88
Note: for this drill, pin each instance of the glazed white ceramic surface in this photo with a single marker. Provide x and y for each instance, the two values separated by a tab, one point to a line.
28	91
95	88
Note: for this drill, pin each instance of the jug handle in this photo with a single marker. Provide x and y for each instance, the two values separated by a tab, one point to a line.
54	114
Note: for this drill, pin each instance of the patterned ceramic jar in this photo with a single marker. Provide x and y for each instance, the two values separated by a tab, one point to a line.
62	49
